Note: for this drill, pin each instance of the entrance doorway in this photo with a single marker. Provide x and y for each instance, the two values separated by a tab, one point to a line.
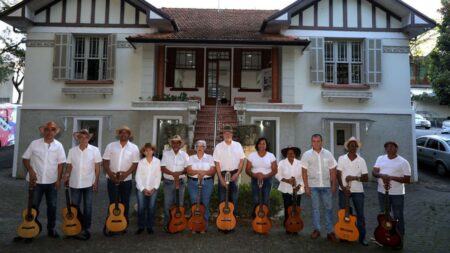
218	85
341	132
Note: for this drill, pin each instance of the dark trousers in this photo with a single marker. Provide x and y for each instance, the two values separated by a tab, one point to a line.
124	194
86	194
266	187
50	197
358	202
396	203
288	201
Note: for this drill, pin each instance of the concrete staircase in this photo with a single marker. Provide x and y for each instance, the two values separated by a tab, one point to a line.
204	127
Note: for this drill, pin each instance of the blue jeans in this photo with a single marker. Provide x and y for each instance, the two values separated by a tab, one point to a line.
146	203
124	194
288	201
358	202
267	186
86	193
323	193
207	190
169	197
233	191
50	197
396	204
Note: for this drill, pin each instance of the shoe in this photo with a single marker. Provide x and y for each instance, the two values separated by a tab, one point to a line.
315	234
53	234
364	242
87	234
150	231
331	237
139	231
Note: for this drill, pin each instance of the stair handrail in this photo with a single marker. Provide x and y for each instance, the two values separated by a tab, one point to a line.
215	119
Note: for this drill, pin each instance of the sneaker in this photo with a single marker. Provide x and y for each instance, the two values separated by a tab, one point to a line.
53	234
315	234
139	231
150	231
331	237
364	242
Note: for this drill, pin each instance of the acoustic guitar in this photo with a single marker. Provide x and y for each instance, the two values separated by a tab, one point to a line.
177	221
116	221
386	233
346	228
294	222
261	223
71	217
30	226
197	222
226	221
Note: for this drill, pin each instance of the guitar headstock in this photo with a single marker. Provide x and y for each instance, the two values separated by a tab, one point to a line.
387	186
227	177
176	179
260	183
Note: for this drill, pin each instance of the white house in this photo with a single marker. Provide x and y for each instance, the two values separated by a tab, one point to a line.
335	67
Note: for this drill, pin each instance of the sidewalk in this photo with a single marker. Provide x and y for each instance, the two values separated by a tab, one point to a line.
427	226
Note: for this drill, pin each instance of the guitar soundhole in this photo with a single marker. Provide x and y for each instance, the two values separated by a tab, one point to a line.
388	225
116	212
197	213
261	214
177	215
226	210
29	217
69	216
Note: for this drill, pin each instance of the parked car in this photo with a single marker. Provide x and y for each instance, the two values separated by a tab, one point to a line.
434	151
446	126
422	122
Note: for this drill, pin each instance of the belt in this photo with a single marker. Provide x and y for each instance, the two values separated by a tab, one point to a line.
196	179
231	171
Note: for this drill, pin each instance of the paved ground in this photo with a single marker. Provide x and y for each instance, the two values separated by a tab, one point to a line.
427	224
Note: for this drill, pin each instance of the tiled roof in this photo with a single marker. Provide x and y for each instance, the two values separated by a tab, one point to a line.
220	26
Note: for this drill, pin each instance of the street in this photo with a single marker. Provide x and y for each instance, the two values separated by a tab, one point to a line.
427	215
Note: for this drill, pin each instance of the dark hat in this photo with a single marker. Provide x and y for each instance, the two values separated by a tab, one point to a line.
391	142
227	128
296	150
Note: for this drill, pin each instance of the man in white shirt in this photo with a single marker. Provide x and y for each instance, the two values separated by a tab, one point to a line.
82	173
44	160
229	157
394	171
119	162
351	172
173	164
319	177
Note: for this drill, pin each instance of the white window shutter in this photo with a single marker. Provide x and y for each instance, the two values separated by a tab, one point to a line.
62	56
316	59
373	62
111	60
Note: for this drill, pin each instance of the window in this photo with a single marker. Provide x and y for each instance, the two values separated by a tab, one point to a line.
421	141
90	58
94	125
343	62
441	146
160	138
185	72
251	67
433	144
269	129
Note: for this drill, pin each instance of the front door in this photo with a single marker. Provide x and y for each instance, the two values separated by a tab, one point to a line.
218	85
342	132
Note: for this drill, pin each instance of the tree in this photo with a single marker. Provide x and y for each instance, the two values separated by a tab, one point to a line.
440	57
12	54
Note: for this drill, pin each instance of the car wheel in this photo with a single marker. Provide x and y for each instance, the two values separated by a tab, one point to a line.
441	170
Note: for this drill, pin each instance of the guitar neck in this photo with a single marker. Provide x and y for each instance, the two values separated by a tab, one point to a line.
68	200
30	201
199	193
260	197
347	205
386	205
116	202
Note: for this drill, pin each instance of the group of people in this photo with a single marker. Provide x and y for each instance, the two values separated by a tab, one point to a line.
317	174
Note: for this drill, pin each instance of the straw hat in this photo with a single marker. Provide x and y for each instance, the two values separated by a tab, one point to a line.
122	128
76	135
296	150
391	142
176	138
50	125
350	140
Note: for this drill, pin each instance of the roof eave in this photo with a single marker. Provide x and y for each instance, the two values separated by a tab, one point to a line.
304	43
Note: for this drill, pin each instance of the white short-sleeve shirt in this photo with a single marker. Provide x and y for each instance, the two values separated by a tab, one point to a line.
44	159
397	167
318	166
148	175
228	156
203	164
83	166
261	164
174	162
121	158
288	170
355	168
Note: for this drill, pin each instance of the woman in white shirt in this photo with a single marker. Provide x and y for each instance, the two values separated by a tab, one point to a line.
261	166
201	167
290	177
148	179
